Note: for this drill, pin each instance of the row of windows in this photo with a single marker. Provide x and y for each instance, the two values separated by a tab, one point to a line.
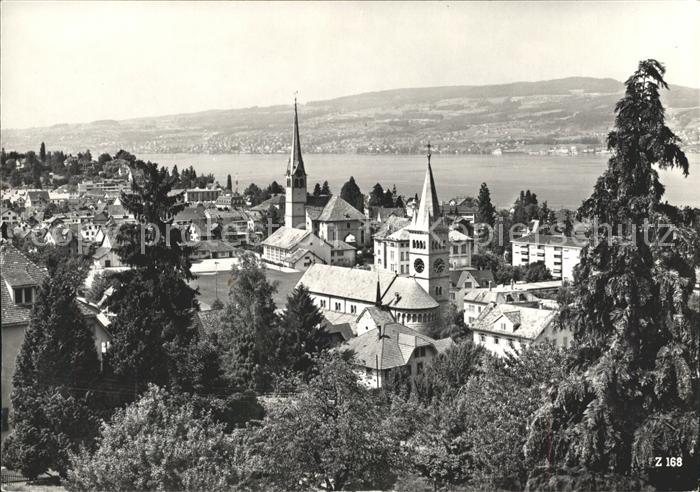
438	290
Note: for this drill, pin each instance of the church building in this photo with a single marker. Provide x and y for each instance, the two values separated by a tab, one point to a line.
329	219
415	300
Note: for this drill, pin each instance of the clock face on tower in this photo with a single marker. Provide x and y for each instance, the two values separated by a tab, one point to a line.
418	265
439	266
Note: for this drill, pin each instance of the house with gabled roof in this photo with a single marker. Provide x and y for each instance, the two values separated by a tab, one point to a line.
509	328
297	249
20	280
392	347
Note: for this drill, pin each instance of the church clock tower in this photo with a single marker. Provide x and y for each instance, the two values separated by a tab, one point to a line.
428	243
295	188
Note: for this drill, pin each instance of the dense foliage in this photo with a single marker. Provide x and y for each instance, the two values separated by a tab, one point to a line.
631	393
54	409
161	442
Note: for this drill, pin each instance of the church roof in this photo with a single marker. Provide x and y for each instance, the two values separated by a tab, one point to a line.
361	285
338	210
296	162
429	210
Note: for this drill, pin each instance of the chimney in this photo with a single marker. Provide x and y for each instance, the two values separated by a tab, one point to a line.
397	297
489	286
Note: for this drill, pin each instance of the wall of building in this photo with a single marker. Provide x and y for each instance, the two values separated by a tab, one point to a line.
12	337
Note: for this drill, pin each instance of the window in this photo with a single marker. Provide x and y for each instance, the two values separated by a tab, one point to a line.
337	306
24	295
419	368
420	352
503	325
482	338
353	309
348	225
496	340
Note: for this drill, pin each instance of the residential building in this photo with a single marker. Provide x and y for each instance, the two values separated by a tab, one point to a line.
391	246
202	195
477	300
560	254
36	199
509	328
461	247
392	347
20	280
467	279
295	248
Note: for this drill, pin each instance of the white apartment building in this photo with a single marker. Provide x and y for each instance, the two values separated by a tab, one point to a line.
560	254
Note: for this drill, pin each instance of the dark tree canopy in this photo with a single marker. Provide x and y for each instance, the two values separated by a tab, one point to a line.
351	193
486	212
632	386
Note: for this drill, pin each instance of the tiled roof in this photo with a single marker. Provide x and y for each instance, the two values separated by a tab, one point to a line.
530	321
400	235
299	254
339	245
335	318
392	349
338	209
486	296
551	239
391	225
379	315
190	213
410	295
361	285
16	270
314	212
277	200
286	237
458	236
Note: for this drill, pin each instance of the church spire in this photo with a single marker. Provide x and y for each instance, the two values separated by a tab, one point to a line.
429	209
296	163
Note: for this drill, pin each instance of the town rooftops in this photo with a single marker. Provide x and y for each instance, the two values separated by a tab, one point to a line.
361	285
338	210
274	201
286	237
391	347
391	225
551	239
527	322
400	235
486	296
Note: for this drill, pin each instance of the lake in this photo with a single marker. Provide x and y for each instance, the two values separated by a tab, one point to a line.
564	181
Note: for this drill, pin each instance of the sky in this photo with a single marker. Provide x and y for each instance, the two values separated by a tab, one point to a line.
69	62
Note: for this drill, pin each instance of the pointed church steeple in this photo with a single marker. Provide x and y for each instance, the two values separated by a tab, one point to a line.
295	190
296	162
429	210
